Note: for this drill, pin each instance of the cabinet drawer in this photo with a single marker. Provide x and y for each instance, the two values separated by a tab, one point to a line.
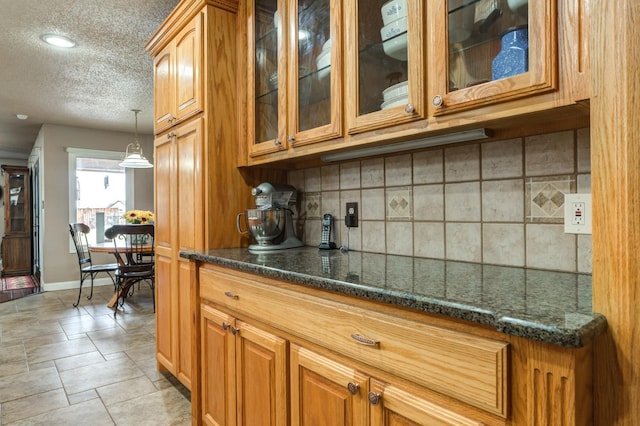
466	367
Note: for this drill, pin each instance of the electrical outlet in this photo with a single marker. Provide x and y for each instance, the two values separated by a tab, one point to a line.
351	218
577	213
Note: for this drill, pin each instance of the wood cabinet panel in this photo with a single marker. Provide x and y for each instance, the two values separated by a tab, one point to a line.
178	183
178	80
399	407
261	376
189	89
163	81
185	320
165	334
244	375
320	391
218	368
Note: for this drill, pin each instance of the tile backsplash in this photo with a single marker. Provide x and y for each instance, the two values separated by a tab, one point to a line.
498	203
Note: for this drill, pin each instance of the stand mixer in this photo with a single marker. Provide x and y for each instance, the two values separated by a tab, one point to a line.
271	222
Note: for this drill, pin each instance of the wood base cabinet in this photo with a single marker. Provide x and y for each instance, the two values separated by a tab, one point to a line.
243	378
349	361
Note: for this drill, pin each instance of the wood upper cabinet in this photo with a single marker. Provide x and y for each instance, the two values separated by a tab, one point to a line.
178	77
294	73
385	63
490	51
244	375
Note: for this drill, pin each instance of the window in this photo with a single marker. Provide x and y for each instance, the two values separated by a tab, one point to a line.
100	191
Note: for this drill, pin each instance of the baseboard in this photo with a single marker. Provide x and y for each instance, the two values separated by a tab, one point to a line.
68	285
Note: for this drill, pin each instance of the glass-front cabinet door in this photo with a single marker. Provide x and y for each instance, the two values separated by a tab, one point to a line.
489	51
295	72
267	61
315	71
18	198
385	54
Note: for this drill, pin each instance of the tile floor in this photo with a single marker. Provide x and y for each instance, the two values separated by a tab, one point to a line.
61	365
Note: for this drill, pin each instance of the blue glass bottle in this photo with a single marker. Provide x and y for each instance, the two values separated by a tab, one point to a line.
513	57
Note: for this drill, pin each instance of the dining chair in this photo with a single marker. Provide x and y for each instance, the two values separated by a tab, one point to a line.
133	245
88	269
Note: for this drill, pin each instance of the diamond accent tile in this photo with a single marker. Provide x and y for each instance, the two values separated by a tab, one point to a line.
312	205
546	198
399	204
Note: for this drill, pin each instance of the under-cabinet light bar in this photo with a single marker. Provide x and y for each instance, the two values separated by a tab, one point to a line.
464	136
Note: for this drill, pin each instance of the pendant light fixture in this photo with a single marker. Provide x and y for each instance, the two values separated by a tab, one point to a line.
133	157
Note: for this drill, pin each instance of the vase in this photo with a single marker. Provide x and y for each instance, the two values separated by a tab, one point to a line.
513	57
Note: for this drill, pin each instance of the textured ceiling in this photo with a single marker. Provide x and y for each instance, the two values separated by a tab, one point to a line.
93	85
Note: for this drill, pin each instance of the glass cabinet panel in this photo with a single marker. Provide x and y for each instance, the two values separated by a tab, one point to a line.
385	48
297	71
266	70
315	71
314	64
18	205
496	50
486	41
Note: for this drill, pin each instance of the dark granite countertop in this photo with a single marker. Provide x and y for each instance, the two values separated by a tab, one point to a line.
547	306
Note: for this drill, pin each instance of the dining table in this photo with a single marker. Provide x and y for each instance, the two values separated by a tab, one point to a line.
109	247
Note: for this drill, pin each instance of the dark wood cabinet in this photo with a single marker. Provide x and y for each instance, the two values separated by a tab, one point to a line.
16	241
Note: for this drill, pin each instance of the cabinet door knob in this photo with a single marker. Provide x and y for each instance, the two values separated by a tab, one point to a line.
291	139
409	109
353	388
437	101
374	398
277	142
234	330
225	326
365	340
231	295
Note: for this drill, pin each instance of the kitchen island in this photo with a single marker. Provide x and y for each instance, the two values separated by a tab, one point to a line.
380	335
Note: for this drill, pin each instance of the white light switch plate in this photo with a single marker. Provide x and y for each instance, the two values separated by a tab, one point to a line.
577	213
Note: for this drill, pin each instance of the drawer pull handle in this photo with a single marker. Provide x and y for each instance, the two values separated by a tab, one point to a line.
231	295
365	341
353	388
235	331
374	398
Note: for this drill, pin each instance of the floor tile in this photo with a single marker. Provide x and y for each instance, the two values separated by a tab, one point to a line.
91	412
33	405
164	407
27	384
61	365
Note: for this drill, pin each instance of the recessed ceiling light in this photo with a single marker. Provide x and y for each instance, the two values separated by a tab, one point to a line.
22	116
58	40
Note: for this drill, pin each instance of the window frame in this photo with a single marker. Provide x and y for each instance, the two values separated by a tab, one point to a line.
73	154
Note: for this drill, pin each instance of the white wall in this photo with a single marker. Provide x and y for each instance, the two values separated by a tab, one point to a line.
59	264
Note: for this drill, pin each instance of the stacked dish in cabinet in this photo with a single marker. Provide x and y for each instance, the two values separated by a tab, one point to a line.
394	31
394	44
323	60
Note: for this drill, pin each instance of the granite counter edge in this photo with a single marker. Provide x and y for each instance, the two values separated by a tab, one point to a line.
565	337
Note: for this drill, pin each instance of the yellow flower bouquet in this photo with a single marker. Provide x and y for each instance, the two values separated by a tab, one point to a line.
139	216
